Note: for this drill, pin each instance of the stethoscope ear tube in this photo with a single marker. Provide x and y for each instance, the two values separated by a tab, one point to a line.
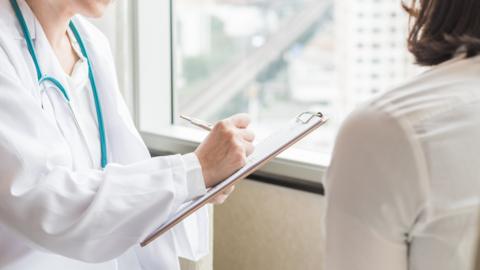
43	79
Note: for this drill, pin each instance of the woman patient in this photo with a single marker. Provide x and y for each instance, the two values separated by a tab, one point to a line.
403	189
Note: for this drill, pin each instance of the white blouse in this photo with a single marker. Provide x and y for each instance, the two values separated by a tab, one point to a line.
403	188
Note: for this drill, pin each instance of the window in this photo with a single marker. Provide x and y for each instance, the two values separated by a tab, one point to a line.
272	59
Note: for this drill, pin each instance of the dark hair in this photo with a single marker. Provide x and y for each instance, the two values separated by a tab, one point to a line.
439	28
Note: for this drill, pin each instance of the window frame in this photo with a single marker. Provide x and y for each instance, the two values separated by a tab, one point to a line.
154	45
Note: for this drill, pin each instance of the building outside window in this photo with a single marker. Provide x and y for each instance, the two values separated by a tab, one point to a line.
276	58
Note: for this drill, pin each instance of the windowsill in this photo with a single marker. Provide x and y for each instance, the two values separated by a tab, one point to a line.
293	163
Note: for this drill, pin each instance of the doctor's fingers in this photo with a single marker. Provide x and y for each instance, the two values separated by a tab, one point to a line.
229	190
248	147
219	199
246	134
241	120
222	197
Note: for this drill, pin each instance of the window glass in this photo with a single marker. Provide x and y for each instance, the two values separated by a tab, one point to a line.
276	58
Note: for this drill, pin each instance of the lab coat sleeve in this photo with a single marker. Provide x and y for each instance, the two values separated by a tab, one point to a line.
374	193
89	215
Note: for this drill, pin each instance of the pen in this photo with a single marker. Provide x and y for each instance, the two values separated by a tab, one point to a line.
197	122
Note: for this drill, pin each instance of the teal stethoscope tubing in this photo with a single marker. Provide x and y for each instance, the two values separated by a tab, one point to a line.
42	78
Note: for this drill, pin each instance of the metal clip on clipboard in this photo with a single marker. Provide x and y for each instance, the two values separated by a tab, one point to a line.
265	151
308	115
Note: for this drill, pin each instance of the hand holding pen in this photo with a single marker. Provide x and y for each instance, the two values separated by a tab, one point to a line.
198	123
226	147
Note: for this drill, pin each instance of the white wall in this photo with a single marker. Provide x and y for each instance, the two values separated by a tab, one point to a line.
107	23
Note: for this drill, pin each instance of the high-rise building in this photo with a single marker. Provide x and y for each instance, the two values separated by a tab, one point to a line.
371	41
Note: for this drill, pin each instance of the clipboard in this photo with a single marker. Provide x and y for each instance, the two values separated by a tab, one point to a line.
265	151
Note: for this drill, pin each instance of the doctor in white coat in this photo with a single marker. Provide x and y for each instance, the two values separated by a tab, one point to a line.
78	188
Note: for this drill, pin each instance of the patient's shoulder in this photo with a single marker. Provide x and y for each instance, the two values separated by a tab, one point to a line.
432	93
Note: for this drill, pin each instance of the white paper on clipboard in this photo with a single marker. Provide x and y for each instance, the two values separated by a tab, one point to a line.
266	150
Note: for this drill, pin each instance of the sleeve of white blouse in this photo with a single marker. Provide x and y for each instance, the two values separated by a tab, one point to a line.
373	192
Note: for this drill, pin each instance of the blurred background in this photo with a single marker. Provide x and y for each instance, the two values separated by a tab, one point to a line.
275	58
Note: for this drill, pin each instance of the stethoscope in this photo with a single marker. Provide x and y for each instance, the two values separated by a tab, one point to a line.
43	78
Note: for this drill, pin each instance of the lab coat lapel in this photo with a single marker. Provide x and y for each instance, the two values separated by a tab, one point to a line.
29	19
12	28
46	57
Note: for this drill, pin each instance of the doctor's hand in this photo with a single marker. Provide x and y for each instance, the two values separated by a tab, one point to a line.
225	149
222	197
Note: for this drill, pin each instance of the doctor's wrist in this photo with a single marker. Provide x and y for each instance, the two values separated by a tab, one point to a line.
206	173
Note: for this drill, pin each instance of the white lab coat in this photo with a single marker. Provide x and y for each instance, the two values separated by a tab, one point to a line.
55	212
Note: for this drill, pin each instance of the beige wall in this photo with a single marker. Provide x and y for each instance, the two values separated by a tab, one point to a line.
263	226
